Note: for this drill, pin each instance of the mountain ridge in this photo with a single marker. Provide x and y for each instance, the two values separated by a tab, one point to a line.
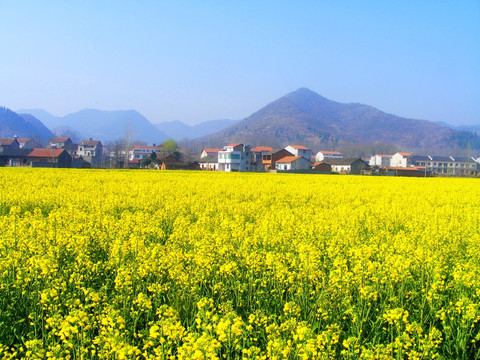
105	125
22	125
307	117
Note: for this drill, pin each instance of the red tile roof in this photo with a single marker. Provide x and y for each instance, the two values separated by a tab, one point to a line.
233	145
404	154
6	141
23	140
261	148
46	153
212	150
299	147
288	159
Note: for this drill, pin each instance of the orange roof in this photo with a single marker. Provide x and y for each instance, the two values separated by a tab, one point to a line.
7	141
261	148
288	159
46	152
380	155
318	163
233	145
298	147
23	140
404	154
212	150
331	152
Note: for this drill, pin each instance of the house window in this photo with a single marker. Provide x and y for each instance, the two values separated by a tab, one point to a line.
284	167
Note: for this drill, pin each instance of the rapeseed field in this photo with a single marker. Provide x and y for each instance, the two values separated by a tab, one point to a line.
100	264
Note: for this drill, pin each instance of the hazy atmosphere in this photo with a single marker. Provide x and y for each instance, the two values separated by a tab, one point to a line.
197	61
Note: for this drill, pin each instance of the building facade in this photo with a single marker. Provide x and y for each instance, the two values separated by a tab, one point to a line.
235	157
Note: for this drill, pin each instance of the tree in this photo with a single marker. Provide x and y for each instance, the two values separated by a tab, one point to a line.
170	146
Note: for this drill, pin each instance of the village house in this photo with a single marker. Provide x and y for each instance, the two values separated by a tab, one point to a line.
58	158
208	151
63	143
299	150
91	151
321	167
9	144
14	157
28	143
401	159
321	155
352	166
380	160
139	152
257	153
209	162
234	157
291	163
270	158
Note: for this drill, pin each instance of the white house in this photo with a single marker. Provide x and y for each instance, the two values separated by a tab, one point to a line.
299	150
289	163
401	159
234	157
140	152
209	162
321	155
91	151
208	151
380	160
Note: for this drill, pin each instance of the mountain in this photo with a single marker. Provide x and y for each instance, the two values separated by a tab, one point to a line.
178	130
22	125
46	118
103	125
305	117
471	128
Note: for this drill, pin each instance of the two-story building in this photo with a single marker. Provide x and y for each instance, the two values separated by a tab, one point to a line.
299	150
257	153
91	151
380	160
234	157
446	165
401	159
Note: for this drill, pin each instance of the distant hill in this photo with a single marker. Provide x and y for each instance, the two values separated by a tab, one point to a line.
471	128
22	125
177	130
104	125
307	118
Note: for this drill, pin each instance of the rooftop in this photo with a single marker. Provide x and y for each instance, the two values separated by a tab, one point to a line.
46	152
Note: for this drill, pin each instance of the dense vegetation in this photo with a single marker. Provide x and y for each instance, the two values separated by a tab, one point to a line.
157	264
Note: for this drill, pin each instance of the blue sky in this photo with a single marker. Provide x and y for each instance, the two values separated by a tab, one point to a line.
202	60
